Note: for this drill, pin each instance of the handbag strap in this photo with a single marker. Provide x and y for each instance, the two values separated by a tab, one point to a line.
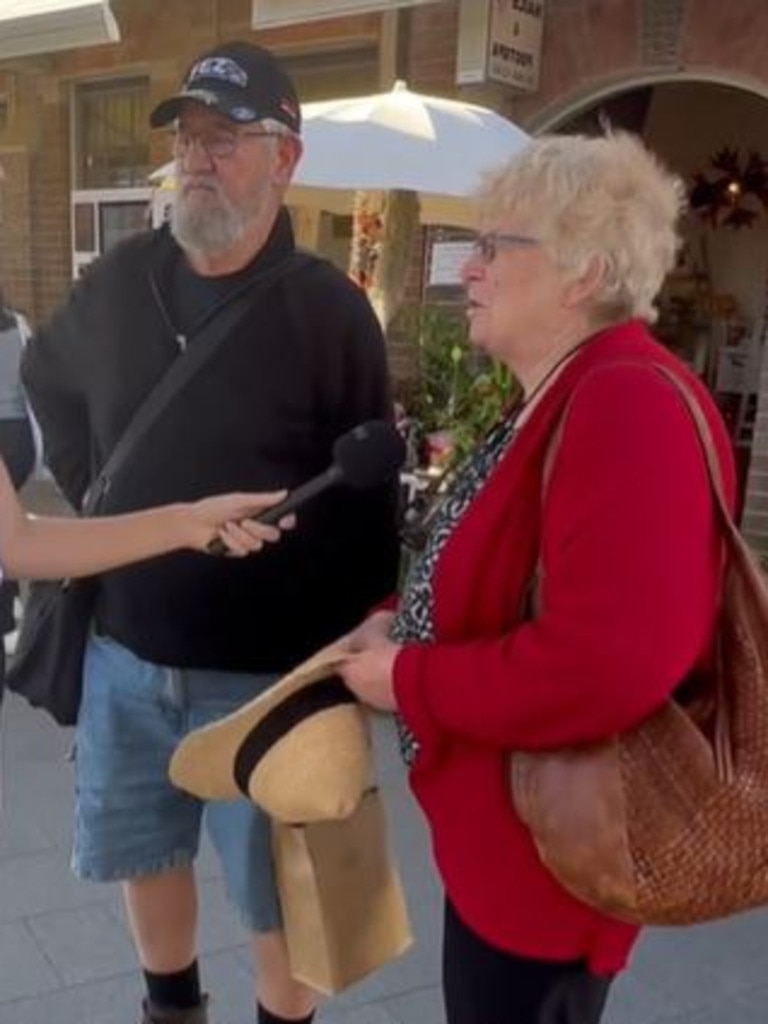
182	370
736	544
703	431
738	549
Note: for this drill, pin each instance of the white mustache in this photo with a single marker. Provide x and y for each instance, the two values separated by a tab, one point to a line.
207	183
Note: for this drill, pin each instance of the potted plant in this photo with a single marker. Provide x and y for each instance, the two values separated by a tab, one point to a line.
458	393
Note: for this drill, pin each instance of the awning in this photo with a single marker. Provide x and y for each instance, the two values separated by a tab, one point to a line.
41	26
278	13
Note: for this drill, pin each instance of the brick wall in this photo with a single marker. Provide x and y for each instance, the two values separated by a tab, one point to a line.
51	264
35	260
14	218
432	33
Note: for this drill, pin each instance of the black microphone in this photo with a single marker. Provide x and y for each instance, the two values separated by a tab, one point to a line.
369	455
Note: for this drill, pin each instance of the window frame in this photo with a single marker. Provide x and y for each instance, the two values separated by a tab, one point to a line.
134	82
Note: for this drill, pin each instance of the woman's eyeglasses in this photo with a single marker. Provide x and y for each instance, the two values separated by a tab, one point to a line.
487	245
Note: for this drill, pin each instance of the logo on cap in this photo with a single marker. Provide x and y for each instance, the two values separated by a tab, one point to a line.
222	68
244	114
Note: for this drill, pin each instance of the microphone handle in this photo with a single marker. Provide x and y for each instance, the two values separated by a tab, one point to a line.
302	494
298	497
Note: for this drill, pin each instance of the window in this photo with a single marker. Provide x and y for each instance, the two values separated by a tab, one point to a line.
112	134
103	217
352	71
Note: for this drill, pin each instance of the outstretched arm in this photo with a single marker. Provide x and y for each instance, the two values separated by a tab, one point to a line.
50	547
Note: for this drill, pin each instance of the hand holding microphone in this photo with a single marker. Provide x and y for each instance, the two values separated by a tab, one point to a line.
368	456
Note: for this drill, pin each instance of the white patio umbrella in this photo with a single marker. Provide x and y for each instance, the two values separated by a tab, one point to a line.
424	154
403	140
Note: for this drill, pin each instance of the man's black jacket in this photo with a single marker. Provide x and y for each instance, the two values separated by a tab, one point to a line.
303	367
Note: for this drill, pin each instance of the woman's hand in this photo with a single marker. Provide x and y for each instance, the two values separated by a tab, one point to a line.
372	631
369	673
228	517
368	669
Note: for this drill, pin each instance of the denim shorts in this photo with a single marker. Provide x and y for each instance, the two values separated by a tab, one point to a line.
130	821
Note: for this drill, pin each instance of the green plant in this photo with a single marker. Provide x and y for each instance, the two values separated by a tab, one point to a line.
457	389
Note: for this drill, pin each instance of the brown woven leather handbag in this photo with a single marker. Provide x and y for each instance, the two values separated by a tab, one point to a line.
668	823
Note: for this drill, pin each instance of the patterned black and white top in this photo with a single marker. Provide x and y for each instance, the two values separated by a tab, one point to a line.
414	620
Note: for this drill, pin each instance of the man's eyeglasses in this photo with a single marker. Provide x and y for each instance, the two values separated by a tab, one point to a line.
219	145
487	245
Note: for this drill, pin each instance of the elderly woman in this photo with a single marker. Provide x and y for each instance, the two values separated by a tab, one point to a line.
577	235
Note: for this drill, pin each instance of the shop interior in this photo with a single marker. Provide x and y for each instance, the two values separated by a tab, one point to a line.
713	310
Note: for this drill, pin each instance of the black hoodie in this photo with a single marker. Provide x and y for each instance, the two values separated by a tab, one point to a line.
302	368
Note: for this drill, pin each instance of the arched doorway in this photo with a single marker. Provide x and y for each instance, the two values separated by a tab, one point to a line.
714	307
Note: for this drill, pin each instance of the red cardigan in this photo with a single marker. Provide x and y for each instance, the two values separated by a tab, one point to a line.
631	556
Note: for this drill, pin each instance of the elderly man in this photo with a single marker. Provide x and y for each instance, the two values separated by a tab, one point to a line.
188	638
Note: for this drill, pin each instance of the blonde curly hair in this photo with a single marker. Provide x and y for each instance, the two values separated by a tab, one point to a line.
607	200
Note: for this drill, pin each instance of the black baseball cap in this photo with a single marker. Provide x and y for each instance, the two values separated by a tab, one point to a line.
243	81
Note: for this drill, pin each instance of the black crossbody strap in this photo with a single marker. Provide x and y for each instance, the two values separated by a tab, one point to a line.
182	370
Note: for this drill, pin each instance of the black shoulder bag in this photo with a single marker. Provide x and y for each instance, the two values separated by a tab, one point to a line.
47	667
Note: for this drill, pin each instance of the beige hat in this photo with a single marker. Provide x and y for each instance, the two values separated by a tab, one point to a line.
301	750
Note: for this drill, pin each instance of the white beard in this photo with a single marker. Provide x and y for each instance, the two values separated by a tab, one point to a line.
208	227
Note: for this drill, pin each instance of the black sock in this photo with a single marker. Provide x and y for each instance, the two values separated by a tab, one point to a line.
265	1017
178	991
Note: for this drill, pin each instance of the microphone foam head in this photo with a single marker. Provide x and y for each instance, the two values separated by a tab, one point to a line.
370	454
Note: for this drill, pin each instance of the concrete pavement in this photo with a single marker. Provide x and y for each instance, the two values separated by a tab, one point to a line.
65	955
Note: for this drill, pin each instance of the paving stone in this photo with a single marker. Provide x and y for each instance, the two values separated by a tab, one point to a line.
333	1014
85	944
116	1000
66	956
24	969
41	882
421	1006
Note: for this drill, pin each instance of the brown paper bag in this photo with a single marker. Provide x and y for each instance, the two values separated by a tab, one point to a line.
343	906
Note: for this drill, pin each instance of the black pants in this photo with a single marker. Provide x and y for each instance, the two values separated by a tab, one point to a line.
485	985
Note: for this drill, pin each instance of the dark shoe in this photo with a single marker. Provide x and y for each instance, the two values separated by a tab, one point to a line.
195	1015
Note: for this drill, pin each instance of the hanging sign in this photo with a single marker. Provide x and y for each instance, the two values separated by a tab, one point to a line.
515	29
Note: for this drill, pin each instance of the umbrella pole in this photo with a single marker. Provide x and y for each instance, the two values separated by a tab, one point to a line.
384	228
